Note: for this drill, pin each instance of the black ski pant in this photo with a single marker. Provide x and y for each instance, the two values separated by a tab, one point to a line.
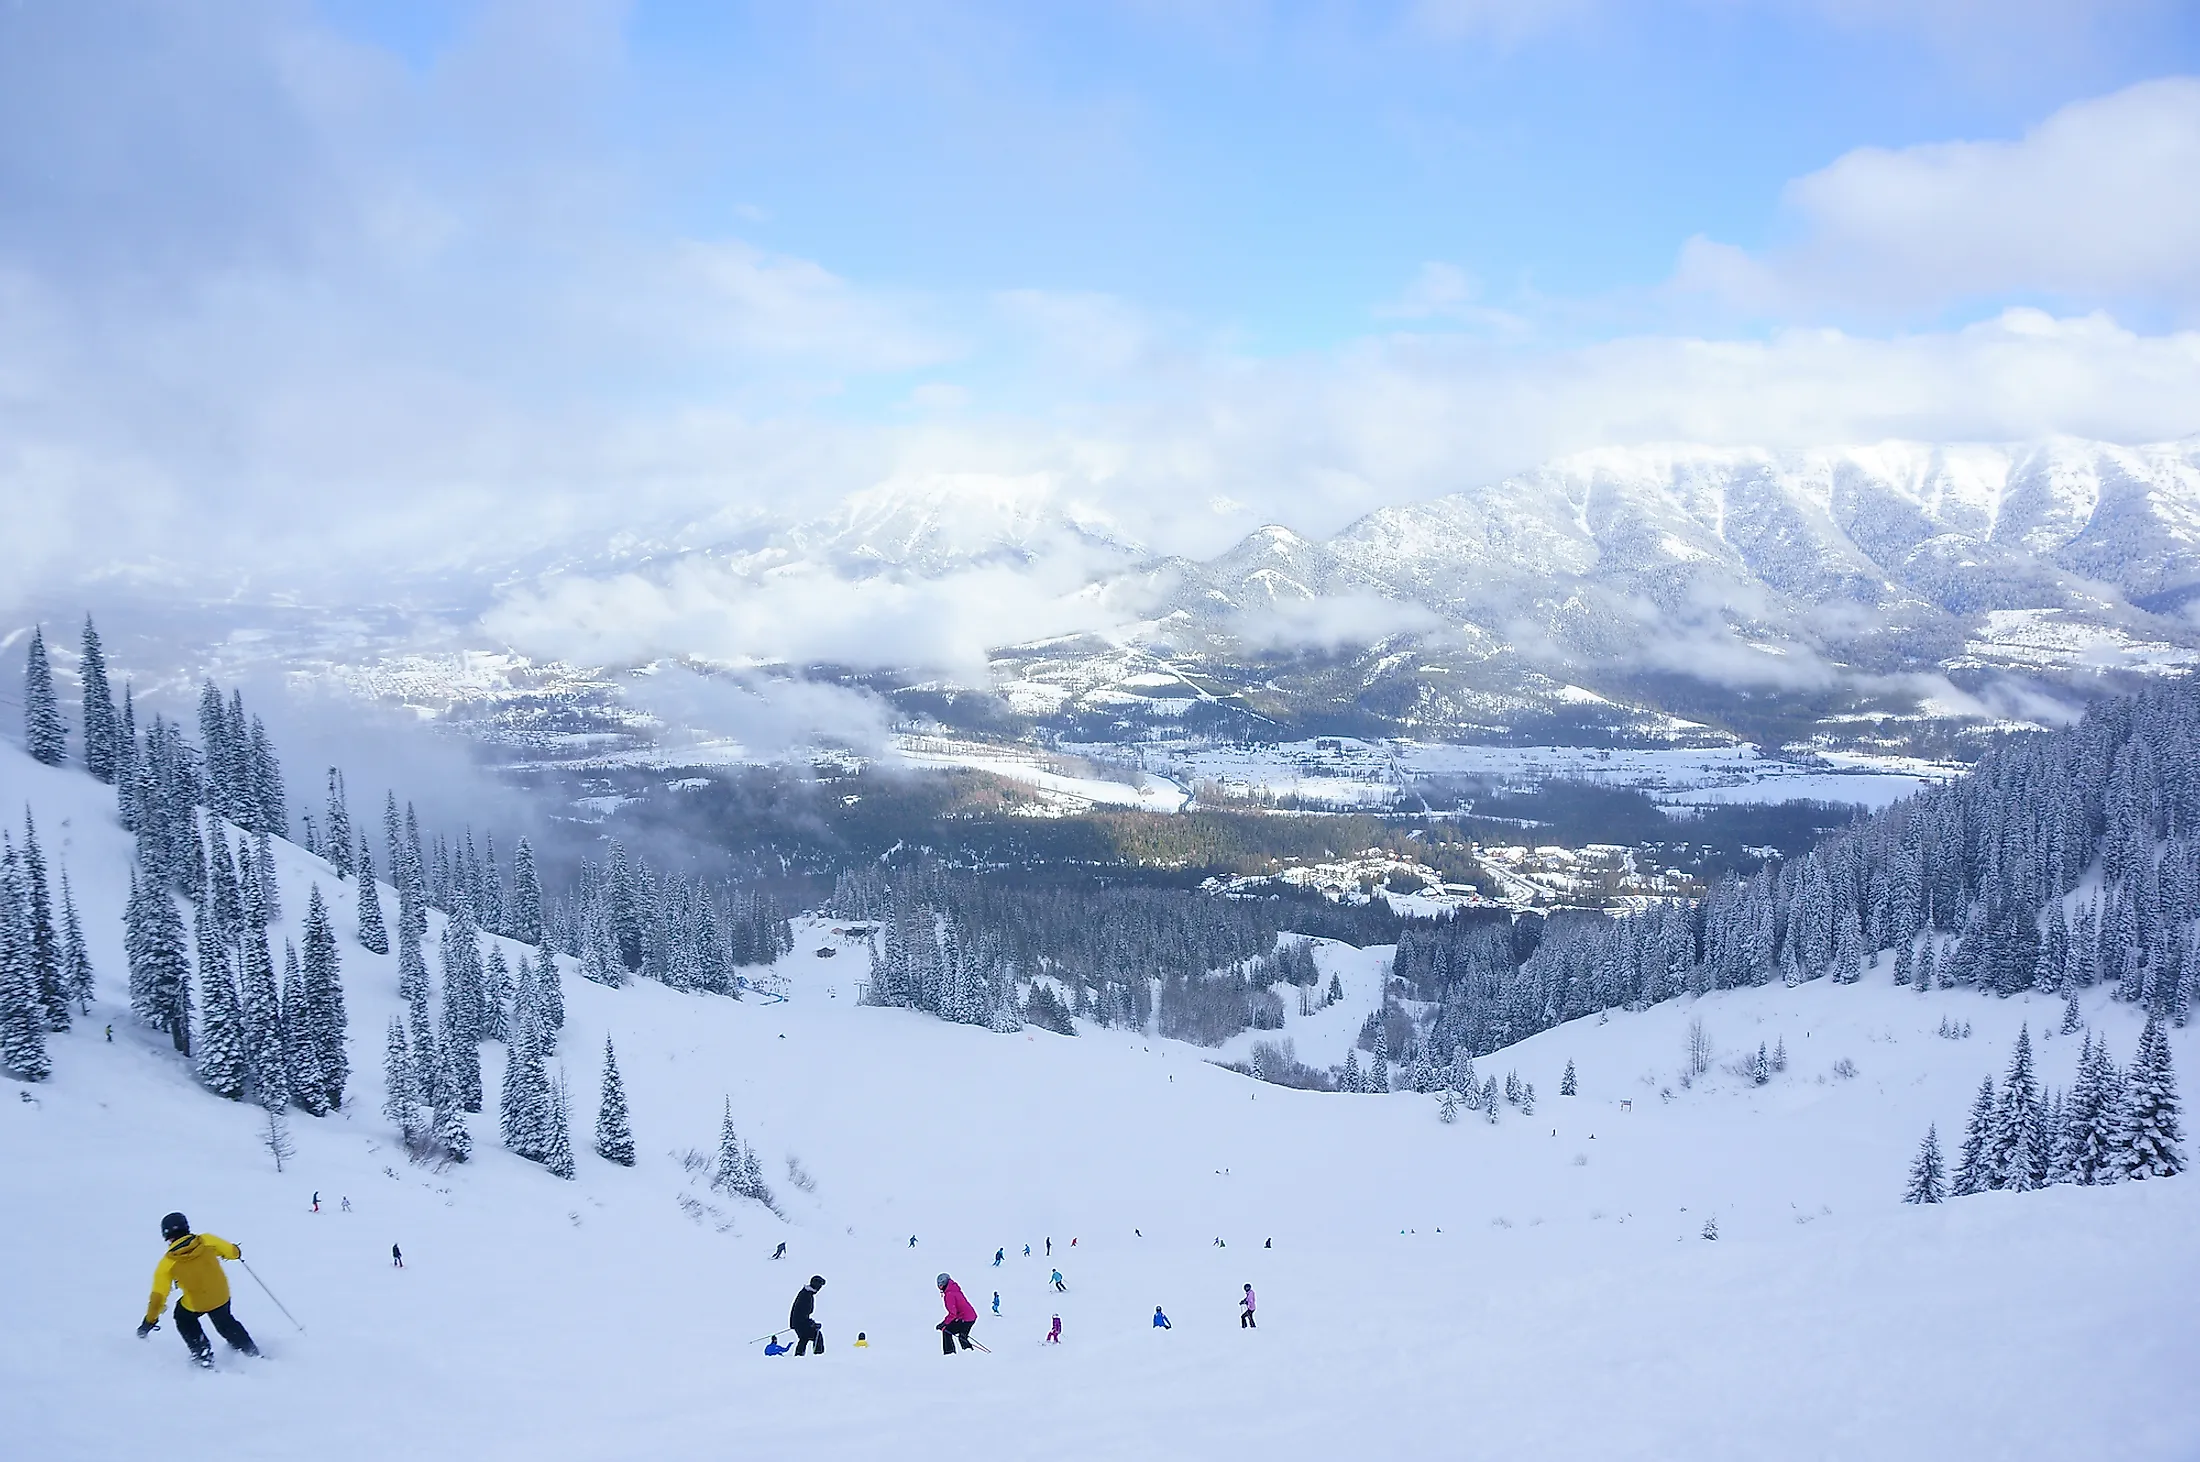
807	1336
1245	1321
187	1325
953	1331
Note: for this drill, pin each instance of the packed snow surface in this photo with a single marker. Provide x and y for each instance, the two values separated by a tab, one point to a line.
1534	1289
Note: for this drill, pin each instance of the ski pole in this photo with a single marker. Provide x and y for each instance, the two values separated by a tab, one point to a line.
759	1340
293	1319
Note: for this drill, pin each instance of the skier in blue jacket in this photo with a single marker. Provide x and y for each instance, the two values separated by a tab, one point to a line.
1161	1321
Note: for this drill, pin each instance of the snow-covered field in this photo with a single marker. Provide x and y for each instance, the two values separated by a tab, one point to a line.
1348	772
1534	1289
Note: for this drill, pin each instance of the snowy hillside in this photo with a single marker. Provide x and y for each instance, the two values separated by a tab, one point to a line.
1537	1288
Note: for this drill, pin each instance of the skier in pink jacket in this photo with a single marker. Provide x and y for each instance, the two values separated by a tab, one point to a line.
1245	1308
961	1315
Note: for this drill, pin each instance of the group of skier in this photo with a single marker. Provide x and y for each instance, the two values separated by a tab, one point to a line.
956	1324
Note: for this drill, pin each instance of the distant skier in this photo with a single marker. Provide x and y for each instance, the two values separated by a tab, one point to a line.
1269	1245
998	1255
193	1263
1219	1244
863	1341
1054	1336
1161	1321
781	1251
316	1200
996	1302
912	1241
397	1257
1050	1246
345	1206
1059	1287
110	1035
1027	1251
1245	1307
960	1316
801	1317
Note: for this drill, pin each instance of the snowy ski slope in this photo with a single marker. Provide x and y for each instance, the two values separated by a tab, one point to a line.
1536	1289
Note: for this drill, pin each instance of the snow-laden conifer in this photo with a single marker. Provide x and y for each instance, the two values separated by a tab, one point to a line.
1928	1177
44	736
614	1139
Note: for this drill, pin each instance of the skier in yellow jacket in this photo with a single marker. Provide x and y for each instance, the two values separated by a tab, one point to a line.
193	1264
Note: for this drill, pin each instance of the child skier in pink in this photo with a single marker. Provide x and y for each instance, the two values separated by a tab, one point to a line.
1245	1319
1054	1336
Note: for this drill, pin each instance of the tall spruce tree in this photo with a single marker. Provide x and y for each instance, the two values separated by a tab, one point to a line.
160	966
339	825
2151	1143
2016	1155
372	934
614	1139
45	942
100	724
221	1052
328	1016
22	1008
301	1041
1928	1178
400	1099
265	1064
76	959
1975	1170
44	737
523	915
558	1150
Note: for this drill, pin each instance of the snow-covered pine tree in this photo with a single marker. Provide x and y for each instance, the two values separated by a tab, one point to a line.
45	943
1760	1066
2151	1142
324	977
1566	1084
1489	1100
265	1066
614	1139
76	960
160	967
558	1150
372	934
340	837
1975	1168
100	725
1928	1177
549	996
400	1099
726	1175
1904	963
1448	1112
263	867
412	964
2015	1156
1350	1081
265	773
496	996
1927	972
599	953
448	1127
460	1062
523	914
1527	1098
301	1042
1779	1054
1378	1070
44	736
22	1009
221	1023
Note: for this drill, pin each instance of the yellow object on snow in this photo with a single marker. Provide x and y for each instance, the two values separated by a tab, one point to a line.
193	1262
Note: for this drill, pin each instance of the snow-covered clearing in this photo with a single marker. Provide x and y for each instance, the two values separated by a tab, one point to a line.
1534	1289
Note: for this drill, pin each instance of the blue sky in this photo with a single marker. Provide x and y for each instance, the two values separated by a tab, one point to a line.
535	274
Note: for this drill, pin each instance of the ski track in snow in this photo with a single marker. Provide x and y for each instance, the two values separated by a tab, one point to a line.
1536	1289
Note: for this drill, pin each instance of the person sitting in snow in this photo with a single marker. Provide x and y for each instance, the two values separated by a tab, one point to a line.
193	1263
773	1347
1161	1321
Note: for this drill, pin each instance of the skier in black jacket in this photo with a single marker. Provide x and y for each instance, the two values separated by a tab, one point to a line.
799	1318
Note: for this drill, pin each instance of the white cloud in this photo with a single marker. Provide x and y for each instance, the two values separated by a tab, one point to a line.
2098	204
1327	623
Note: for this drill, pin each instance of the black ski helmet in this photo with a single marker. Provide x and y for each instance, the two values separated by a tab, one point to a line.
174	1227
817	1281
940	1282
